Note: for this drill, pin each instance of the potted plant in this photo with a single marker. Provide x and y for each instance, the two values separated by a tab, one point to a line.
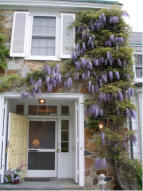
14	175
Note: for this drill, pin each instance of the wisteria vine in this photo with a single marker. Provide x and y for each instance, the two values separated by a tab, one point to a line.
102	60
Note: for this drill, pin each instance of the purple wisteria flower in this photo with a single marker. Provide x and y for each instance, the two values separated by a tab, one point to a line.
90	43
133	113
103	138
119	62
112	38
98	162
128	114
133	138
96	62
120	96
114	20
117	75
104	163
104	77
111	75
109	55
130	91
24	95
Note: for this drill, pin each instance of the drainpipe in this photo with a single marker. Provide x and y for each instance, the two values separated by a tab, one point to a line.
131	143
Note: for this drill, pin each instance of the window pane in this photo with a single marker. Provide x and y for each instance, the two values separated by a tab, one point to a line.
138	72
64	110
65	136
43	46
65	125
32	110
64	147
42	135
44	26
138	60
20	109
43	36
42	110
41	160
52	110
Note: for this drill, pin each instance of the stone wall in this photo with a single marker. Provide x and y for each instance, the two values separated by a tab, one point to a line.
91	173
22	67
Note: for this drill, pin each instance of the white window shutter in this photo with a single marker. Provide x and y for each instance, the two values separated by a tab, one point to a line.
17	48
67	35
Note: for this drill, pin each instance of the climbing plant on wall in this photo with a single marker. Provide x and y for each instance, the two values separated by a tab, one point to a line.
3	51
102	61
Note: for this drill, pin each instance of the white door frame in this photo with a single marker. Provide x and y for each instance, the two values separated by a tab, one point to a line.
43	173
65	96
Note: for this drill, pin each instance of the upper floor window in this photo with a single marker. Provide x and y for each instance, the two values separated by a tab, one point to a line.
42	36
138	66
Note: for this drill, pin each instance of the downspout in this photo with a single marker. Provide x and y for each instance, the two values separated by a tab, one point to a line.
131	143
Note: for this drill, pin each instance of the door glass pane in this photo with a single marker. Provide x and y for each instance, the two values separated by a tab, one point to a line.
64	147
65	135
65	125
41	160
42	135
64	110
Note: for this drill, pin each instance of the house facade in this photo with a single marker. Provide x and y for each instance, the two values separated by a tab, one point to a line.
38	33
136	41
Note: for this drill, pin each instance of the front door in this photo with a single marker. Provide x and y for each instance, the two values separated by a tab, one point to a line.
17	137
42	146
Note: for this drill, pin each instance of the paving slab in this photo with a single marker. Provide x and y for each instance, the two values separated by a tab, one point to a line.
59	184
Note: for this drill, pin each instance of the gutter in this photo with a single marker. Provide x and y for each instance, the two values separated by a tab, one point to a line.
56	4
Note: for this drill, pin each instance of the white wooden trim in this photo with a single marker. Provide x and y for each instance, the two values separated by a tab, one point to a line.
76	129
81	139
137	80
29	38
62	96
43	173
12	36
53	96
1	131
4	143
62	39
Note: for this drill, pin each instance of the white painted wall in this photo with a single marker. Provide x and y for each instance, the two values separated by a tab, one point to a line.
137	124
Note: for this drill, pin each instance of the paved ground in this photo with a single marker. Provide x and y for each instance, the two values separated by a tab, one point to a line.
62	184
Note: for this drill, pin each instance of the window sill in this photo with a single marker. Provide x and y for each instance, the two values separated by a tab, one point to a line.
138	80
52	58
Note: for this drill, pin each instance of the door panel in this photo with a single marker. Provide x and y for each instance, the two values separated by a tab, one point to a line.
42	155
17	152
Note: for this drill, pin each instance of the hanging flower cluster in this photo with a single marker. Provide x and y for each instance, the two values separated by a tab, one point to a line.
50	77
101	60
100	163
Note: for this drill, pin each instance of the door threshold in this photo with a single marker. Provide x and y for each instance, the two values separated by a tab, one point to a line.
35	179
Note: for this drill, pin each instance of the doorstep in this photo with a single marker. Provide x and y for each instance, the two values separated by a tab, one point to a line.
59	184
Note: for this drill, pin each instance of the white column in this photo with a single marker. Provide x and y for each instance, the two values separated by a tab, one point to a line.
81	139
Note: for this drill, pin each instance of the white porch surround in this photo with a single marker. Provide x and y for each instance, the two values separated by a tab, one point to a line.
78	123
